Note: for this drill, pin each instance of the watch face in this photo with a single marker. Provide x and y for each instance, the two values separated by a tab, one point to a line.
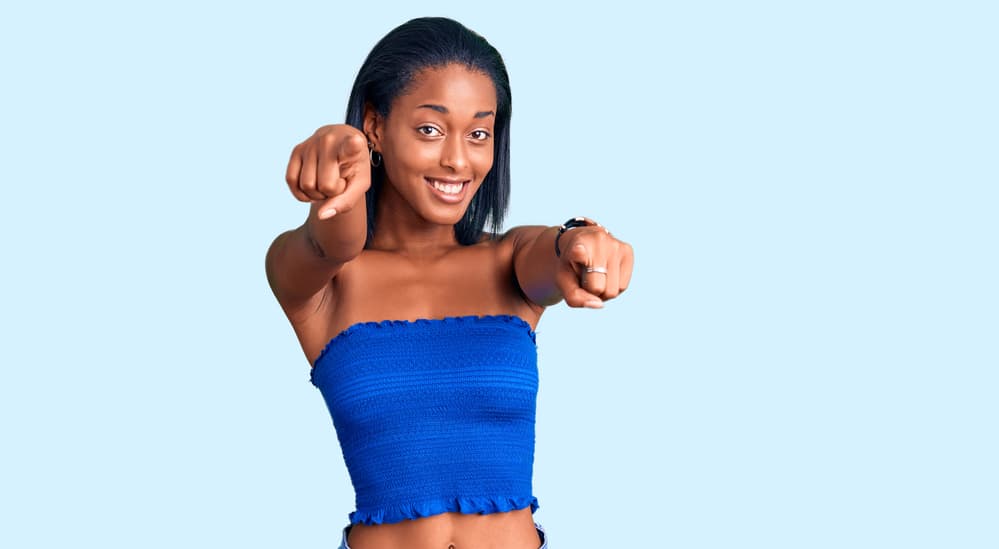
571	224
574	222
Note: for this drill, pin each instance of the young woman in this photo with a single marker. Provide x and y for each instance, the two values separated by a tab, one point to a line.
418	322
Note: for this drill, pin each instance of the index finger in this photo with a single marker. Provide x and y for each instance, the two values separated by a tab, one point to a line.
591	265
575	295
352	148
357	183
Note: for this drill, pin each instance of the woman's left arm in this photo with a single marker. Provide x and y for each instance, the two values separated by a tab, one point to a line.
592	265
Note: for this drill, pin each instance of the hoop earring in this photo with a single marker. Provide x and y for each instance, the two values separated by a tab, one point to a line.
373	155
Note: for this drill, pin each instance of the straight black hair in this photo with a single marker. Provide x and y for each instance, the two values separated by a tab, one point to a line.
434	42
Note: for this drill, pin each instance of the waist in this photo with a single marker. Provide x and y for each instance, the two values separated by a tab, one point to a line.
508	530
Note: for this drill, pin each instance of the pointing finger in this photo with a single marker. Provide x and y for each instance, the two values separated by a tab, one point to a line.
590	267
353	195
352	148
567	281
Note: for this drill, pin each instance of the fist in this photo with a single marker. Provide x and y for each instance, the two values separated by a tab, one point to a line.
594	267
330	168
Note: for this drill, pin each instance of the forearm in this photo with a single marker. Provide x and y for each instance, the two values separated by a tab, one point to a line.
592	266
339	238
301	262
536	266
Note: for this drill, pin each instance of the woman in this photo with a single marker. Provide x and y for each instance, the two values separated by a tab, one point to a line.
418	323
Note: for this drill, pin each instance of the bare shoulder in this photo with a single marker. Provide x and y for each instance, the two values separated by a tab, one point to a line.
500	249
506	248
516	238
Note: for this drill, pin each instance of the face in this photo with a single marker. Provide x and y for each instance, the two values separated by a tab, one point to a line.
437	141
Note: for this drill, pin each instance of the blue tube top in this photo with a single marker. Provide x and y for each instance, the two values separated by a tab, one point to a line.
434	415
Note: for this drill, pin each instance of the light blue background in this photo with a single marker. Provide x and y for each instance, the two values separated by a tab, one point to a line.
806	358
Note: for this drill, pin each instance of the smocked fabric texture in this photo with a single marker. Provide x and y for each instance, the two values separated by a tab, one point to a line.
434	415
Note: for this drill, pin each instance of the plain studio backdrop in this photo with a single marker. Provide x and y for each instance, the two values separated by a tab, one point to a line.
806	357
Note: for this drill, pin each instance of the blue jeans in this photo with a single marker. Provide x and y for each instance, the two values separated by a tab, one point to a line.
541	534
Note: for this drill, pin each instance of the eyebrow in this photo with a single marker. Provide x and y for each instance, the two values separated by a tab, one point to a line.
443	110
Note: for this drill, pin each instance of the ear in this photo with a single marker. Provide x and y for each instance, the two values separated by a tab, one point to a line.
373	126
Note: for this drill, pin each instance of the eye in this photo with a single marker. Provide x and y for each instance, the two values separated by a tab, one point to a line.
480	135
428	131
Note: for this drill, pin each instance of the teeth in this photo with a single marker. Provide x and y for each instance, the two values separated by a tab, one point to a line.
447	188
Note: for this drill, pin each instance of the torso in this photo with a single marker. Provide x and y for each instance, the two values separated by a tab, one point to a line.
377	285
472	280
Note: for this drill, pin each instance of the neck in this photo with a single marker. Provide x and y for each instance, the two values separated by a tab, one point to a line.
400	229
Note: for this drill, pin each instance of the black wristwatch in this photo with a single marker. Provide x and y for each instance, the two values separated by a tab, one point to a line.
572	224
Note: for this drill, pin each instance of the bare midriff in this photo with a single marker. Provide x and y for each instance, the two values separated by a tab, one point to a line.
509	530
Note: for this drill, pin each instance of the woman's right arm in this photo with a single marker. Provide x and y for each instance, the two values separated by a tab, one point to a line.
331	171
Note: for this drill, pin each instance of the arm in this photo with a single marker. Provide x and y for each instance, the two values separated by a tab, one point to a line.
331	171
301	262
546	279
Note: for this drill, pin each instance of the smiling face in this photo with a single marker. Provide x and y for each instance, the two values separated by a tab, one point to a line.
437	142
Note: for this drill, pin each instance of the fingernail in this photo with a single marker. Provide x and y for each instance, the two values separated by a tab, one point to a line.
594	304
327	213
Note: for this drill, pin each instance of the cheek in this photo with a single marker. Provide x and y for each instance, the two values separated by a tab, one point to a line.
483	159
405	160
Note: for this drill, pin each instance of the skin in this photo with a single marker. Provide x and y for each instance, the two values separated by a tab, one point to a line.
326	280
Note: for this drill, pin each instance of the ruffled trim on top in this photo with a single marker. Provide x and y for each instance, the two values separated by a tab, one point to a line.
425	322
476	505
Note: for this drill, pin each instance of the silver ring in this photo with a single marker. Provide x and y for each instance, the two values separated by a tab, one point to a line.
601	270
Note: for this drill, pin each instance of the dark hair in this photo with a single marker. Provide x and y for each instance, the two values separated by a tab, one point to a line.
432	42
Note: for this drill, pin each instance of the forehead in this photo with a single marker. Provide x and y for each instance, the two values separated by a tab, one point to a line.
456	87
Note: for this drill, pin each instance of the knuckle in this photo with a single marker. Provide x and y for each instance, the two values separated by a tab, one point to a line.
595	289
335	188
325	180
324	189
354	139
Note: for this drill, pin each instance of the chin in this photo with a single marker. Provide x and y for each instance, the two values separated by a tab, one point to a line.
446	218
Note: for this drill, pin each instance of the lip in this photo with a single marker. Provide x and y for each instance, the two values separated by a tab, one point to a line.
444	197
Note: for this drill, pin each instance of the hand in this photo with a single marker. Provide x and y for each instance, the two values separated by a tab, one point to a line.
332	168
594	248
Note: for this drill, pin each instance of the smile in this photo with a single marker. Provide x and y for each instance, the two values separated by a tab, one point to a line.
448	190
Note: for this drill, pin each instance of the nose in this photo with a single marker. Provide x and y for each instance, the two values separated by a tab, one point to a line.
454	155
